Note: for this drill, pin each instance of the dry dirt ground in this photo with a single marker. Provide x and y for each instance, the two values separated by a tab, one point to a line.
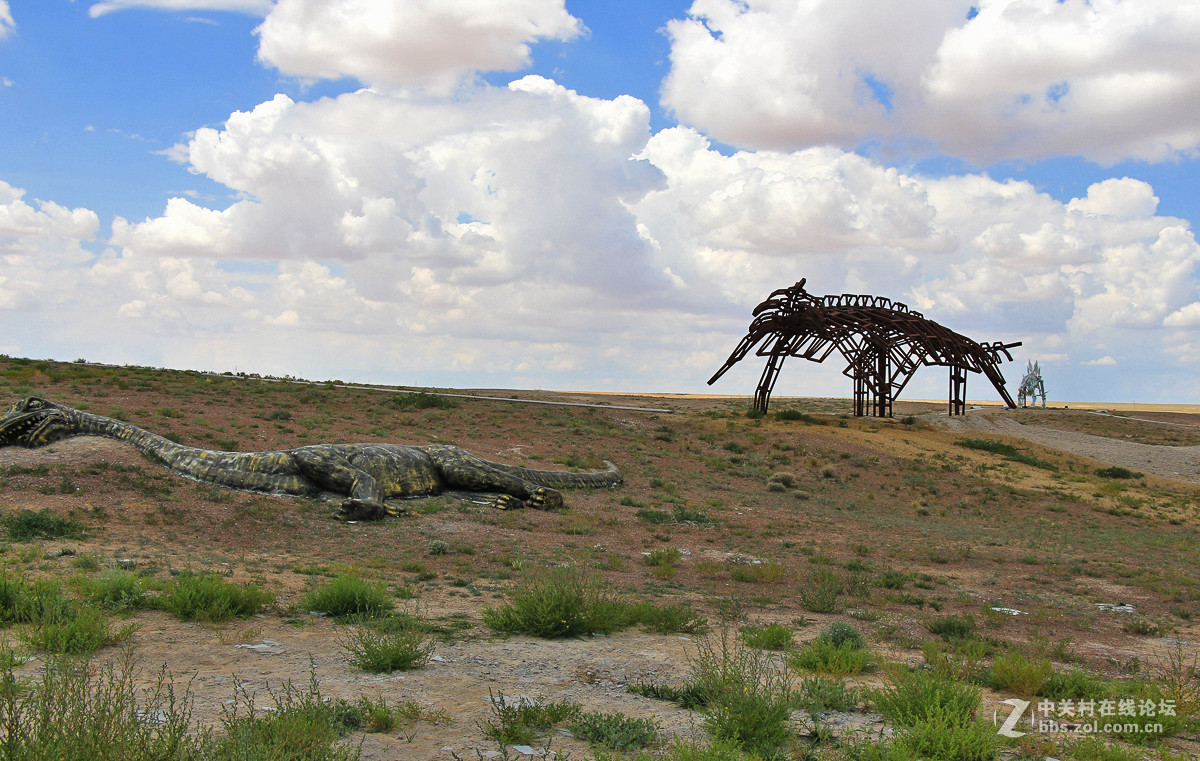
978	532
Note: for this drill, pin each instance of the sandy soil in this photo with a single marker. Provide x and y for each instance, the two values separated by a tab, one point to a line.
1172	462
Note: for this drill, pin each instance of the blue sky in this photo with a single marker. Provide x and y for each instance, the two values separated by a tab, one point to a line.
529	193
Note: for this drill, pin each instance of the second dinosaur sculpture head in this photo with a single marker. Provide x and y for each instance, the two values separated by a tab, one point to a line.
35	422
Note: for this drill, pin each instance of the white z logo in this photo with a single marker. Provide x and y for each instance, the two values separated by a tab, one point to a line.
1006	728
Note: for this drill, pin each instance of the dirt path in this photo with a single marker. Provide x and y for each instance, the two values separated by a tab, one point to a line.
1171	462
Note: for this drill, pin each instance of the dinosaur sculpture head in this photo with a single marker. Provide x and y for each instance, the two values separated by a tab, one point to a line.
35	422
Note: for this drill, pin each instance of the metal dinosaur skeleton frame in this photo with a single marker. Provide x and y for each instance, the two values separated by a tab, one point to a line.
883	342
366	477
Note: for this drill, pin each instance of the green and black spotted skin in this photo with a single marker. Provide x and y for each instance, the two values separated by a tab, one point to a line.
365	476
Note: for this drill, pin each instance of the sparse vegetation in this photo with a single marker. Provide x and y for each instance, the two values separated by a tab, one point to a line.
27	525
747	694
767	637
208	597
614	731
839	651
518	720
348	595
385	645
743	519
936	716
1118	472
1007	451
561	602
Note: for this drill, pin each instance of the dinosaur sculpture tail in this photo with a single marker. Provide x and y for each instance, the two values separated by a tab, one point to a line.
557	479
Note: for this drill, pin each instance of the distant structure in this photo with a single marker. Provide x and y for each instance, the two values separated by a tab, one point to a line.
1032	386
883	343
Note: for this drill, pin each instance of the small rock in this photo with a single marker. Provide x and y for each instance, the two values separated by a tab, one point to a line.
269	646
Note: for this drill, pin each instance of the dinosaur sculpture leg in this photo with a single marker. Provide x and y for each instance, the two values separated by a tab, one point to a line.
332	473
462	470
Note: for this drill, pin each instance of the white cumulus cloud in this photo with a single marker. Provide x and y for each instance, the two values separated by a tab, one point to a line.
527	232
427	44
985	80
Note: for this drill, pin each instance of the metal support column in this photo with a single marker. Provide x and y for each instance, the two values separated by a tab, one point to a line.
958	390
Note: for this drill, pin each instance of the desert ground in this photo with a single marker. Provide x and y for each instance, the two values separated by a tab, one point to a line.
1092	572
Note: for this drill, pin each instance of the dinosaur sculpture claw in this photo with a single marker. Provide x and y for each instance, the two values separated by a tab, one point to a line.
544	498
507	502
361	510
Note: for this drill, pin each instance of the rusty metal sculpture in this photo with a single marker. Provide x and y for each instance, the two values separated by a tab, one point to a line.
883	342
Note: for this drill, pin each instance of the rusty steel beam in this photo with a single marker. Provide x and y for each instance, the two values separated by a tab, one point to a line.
883	342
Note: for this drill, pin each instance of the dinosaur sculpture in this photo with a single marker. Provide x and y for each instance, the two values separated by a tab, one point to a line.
365	476
883	342
1032	386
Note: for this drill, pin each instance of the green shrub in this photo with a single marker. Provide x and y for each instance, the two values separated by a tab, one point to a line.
23	602
614	731
378	716
941	736
910	698
820	590
662	556
561	602
819	694
60	625
823	657
935	717
77	712
670	619
952	628
208	597
382	647
1118	472
116	589
1143	627
27	525
748	695
1013	672
843	634
798	415
681	514
348	595
768	637
1074	684
74	630
653	516
1008	451
423	400
891	579
691	695
302	726
768	572
964	660
518	721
